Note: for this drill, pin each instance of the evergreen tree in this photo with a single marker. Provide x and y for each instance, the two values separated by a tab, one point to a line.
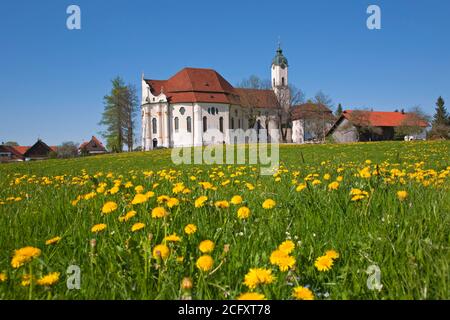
441	121
441	116
339	110
118	115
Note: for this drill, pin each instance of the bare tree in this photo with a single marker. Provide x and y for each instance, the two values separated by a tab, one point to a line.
287	98
413	123
324	99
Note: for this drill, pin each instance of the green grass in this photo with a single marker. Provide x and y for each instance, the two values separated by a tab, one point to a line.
408	240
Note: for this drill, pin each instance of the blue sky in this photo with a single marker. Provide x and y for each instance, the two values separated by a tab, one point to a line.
53	79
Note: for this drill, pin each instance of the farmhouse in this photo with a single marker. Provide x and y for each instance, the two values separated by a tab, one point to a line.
91	147
310	122
39	151
361	125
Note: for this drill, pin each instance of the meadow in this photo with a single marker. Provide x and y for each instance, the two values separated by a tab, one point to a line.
139	227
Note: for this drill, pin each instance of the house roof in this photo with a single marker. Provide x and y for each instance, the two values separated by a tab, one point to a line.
257	98
379	119
94	140
11	149
383	118
23	149
206	85
311	110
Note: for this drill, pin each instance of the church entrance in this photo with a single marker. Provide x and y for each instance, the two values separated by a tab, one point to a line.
155	143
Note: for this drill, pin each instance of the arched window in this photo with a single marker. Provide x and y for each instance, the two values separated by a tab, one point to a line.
239	123
274	82
176	123
221	124
232	123
282	81
205	124
154	123
188	124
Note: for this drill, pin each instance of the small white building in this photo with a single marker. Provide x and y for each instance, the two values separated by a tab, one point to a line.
184	109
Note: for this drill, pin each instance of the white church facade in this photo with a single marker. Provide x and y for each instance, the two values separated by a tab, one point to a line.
184	109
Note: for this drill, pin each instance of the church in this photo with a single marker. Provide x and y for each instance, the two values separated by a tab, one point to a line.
182	110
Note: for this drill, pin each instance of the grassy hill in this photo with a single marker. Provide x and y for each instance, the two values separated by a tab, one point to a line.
338	211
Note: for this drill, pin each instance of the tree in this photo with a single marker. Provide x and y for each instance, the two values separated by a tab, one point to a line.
413	123
441	116
441	121
364	128
11	143
339	110
120	108
254	82
67	149
322	98
287	99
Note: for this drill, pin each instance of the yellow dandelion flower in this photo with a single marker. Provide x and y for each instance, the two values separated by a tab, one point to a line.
139	189
139	198
236	200
200	201
205	263
26	280
172	202
206	246
190	229
223	204
285	263
54	240
269	204
3	277
333	185
276	256
149	194
300	187
98	228
243	213
128	216
326	176
161	251
302	293
332	254
251	296
49	279
323	263
24	255
257	276
172	238
287	246
137	226
402	195
159	212
114	190
109	207
162	199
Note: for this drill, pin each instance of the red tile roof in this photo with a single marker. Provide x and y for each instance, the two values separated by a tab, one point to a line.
312	110
383	119
21	149
206	85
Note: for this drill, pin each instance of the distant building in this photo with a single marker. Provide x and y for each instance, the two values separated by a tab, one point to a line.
39	151
94	146
360	125
310	122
